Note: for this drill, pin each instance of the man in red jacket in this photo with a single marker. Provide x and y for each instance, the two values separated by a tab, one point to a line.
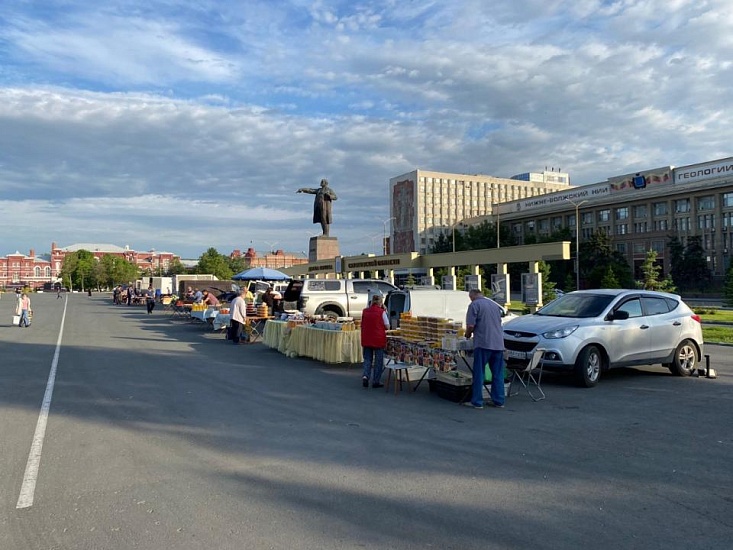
374	325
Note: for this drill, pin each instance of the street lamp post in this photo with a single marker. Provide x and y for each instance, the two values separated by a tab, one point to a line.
453	228
385	250
577	206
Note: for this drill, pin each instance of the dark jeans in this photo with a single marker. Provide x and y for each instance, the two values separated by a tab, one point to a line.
151	305
235	331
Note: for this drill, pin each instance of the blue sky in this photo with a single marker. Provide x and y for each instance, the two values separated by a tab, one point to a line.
181	125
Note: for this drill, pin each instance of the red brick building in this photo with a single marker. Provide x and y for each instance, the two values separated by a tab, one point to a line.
18	269
151	262
274	260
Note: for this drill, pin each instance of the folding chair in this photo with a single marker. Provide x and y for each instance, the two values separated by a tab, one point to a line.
178	311
527	378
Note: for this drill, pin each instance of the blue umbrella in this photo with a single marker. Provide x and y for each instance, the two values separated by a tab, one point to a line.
261	274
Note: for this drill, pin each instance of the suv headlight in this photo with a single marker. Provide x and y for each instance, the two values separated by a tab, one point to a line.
560	333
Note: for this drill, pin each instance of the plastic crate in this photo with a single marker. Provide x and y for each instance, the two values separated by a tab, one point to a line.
457	394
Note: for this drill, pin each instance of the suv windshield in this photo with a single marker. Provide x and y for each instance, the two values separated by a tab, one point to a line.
577	305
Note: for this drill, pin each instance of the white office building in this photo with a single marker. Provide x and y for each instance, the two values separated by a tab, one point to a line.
424	204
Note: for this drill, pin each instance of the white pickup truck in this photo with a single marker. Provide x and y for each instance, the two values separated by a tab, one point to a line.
333	297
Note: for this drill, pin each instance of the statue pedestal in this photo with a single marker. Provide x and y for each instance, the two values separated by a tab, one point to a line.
323	248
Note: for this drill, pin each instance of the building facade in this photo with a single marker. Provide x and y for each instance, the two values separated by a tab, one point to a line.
151	262
640	212
35	271
20	270
424	204
275	259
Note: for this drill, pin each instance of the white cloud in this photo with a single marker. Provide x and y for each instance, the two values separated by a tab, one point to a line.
192	124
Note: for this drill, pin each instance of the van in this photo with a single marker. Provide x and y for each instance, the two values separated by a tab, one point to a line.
430	302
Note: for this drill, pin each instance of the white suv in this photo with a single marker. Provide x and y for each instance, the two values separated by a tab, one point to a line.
334	297
589	331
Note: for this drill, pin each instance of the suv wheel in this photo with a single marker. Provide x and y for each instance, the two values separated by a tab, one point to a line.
588	367
685	359
330	312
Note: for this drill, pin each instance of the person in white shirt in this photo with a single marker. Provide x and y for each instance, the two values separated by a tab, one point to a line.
238	312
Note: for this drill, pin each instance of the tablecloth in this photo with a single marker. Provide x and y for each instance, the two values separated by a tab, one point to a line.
204	315
329	346
221	321
277	335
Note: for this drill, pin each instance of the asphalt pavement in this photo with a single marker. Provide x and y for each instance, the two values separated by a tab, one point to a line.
161	435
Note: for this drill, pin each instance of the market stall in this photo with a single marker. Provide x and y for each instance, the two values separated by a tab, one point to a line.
323	341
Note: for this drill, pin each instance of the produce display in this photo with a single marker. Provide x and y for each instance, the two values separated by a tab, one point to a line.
421	354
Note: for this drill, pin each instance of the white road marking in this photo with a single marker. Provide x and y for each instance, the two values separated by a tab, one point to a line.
28	489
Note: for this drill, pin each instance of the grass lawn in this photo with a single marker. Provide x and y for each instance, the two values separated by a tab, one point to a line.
713	315
718	335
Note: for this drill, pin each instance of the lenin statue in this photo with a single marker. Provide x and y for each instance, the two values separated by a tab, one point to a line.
321	204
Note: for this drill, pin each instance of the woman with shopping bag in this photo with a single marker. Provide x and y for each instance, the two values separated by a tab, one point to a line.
24	306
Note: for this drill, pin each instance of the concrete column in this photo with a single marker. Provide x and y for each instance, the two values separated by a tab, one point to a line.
534	267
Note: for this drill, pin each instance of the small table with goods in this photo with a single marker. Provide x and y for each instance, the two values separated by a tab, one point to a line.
432	348
330	342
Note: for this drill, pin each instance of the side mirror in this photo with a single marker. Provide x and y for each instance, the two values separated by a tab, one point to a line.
618	315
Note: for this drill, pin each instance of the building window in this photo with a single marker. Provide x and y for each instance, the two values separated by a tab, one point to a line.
706	221
661	225
658	247
682	206
641	227
604	215
571	221
621	248
727	220
639	248
622	229
587	218
728	200
640	211
706	203
556	222
660	208
622	213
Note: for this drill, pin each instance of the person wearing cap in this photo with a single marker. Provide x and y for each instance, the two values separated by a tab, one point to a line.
374	325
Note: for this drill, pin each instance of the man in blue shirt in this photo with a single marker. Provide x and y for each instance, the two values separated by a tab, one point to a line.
483	322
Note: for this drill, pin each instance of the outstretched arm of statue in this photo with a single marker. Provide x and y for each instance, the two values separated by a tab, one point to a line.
307	190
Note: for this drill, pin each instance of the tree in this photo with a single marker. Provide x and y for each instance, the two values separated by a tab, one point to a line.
728	288
211	262
79	269
676	260
651	271
442	244
175	267
598	255
696	271
548	286
609	279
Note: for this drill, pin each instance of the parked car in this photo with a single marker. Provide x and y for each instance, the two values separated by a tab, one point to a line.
590	331
333	297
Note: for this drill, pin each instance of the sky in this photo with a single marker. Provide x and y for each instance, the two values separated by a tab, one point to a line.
181	125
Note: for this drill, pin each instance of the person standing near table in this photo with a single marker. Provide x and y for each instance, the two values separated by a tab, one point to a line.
374	325
238	316
483	322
